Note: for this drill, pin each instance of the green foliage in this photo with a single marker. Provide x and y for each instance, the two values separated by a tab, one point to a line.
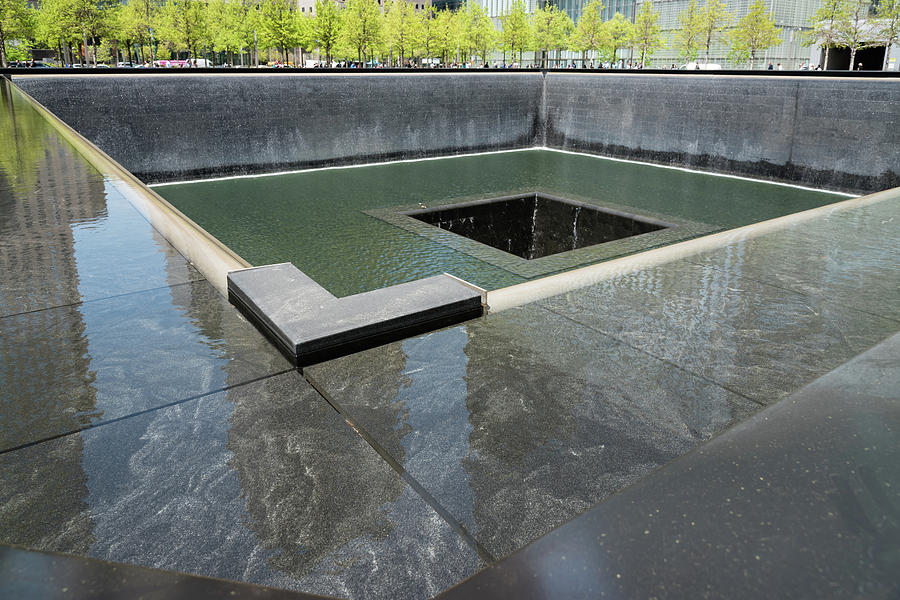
516	34
363	28
19	51
551	30
646	37
16	23
714	18
824	25
590	35
23	132
182	25
476	30
281	27
887	26
326	26
224	19
688	37
853	30
444	35
755	32
617	35
402	28
429	31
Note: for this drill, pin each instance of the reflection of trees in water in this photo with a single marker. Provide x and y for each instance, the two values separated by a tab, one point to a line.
299	465
45	386
24	133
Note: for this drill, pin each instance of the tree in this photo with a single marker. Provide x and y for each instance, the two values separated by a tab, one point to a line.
565	28
54	29
281	27
589	35
459	32
516	33
549	30
401	28
225	19
444	35
617	35
363	28
887	26
16	23
690	32
853	29
824	24
326	26
714	18
477	30
85	15
646	37
182	25
429	30
133	25
754	32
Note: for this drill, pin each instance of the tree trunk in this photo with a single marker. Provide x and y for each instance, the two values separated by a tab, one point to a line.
852	58
2	48
827	50
84	55
887	56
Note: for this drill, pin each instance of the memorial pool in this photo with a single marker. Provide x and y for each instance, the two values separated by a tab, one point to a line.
344	227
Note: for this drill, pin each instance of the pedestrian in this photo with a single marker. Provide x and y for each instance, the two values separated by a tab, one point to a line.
779	67
770	67
859	67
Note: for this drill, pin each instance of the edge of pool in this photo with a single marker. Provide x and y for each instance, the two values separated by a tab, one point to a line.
205	252
560	283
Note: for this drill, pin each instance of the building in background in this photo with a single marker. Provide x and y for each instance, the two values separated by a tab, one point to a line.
791	16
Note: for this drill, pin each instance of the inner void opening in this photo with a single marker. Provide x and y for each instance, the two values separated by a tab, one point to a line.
535	225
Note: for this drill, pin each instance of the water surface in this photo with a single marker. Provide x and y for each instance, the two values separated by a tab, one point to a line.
316	219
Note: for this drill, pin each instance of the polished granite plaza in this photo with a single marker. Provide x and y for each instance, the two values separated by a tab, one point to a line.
145	421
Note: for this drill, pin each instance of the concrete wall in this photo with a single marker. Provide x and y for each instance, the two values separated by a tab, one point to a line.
824	132
837	133
168	127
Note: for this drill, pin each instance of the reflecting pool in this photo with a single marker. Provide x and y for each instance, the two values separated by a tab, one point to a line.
344	228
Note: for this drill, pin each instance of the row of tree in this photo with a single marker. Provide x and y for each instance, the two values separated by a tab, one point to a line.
397	33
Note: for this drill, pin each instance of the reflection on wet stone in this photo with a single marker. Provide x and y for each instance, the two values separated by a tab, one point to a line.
43	498
299	480
109	364
520	421
760	340
262	483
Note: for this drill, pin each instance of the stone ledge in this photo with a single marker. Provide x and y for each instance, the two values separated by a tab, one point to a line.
310	325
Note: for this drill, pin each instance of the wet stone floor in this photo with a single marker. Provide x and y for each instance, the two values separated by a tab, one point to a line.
145	421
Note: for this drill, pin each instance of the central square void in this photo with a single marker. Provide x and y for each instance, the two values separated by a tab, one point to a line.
536	225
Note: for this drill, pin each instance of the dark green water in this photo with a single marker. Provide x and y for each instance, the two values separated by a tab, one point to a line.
315	219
